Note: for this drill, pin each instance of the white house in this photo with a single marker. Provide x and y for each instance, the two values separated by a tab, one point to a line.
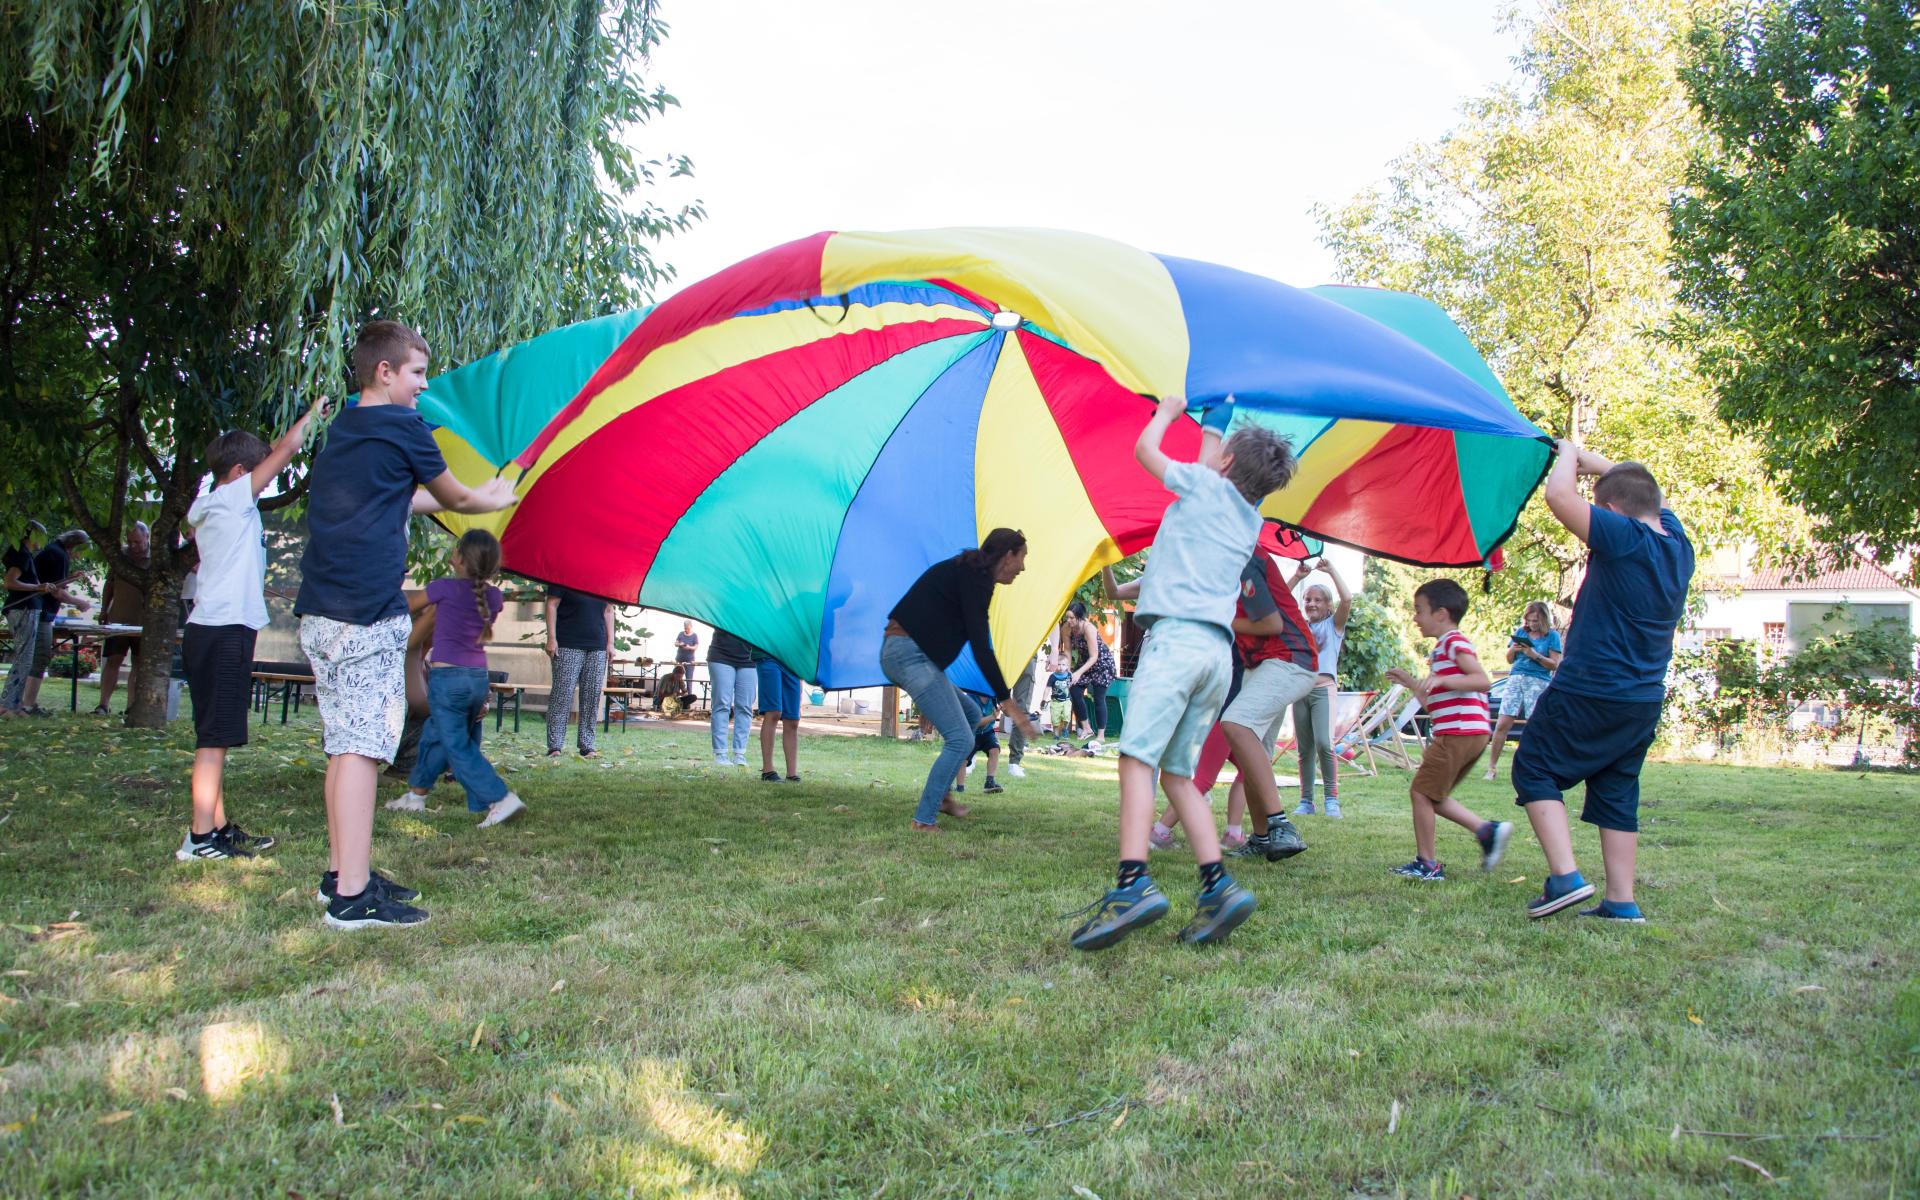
1770	609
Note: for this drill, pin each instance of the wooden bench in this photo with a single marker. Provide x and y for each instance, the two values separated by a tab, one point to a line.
290	686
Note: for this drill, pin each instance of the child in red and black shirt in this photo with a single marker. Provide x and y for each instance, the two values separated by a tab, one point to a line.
1455	695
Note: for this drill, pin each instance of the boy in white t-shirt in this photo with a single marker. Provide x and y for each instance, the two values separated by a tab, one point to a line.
230	611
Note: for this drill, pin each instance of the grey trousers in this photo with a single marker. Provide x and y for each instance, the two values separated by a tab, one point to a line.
1313	738
1023	696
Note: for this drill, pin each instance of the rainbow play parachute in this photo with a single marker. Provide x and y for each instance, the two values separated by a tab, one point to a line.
779	450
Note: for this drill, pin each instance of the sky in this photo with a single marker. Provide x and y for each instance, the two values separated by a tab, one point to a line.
1206	130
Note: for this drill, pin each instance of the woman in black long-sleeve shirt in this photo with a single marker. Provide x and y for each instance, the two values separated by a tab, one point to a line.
945	609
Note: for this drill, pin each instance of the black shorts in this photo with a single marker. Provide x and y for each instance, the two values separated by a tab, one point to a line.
1581	739
116	646
219	664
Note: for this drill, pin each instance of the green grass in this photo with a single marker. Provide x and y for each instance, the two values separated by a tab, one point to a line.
669	980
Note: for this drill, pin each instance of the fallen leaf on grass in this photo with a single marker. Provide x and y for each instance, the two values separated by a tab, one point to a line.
178	1093
1085	1193
1124	1110
475	1041
1522	879
1692	1016
558	1103
558	986
470	1119
1393	1118
1353	1054
339	1114
114	1118
1811	987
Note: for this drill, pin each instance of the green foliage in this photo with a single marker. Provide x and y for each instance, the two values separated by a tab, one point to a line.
1868	674
203	201
1797	244
1540	223
1376	643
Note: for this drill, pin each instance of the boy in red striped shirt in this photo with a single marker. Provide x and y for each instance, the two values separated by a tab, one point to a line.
1455	696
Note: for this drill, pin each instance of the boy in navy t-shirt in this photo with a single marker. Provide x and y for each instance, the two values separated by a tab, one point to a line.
1593	725
364	485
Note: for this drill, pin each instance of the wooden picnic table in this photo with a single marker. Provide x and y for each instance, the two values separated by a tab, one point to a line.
77	632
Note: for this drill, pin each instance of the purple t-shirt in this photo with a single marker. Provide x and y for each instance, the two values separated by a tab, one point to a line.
457	624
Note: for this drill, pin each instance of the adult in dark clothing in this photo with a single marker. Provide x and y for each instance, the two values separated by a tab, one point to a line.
579	641
23	594
944	610
54	565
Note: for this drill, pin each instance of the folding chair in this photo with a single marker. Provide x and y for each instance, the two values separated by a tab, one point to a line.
1360	735
1393	742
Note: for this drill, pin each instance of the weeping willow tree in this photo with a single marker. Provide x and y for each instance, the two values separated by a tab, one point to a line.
203	201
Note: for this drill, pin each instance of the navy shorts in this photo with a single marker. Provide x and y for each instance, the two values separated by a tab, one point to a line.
1582	739
779	691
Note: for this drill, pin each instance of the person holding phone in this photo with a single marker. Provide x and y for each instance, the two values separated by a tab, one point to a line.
1534	651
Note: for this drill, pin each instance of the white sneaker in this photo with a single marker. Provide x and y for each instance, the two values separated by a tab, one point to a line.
1093	746
739	761
720	760
1016	770
1490	776
408	802
506	808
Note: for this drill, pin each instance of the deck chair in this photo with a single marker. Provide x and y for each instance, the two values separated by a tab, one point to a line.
1394	743
1359	736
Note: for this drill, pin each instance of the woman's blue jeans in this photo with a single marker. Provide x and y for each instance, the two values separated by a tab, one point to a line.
908	668
735	691
452	737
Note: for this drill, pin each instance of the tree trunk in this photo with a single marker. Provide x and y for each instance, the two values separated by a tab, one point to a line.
159	634
889	712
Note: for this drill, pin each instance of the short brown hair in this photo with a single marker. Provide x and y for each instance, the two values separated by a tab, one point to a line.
235	448
1263	462
1444	595
1631	488
383	342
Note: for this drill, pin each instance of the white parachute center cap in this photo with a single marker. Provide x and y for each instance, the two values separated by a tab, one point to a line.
1006	320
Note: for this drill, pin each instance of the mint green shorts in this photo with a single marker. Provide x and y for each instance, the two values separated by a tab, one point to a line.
1176	694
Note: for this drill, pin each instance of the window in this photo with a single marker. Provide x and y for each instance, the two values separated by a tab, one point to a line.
1774	634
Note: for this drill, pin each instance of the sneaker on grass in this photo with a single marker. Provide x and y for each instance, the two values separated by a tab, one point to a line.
1283	840
1608	910
329	884
1493	843
1016	770
1165	841
993	787
1569	891
506	808
1119	913
407	801
1248	847
1333	808
372	909
1305	809
1217	912
252	843
770	777
211	846
1229	841
1421	870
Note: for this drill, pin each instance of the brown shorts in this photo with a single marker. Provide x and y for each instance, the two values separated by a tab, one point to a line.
1448	759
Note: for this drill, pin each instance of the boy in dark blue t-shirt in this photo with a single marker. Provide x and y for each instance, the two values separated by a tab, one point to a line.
364	485
1594	723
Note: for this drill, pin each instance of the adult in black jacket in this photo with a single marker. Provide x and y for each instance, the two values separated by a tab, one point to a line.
945	609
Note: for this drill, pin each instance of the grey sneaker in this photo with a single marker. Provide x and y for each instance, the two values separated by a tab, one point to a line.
1256	846
1119	913
1283	840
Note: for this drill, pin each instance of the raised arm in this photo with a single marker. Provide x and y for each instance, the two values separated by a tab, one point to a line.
1147	448
285	447
1343	609
445	493
1117	591
1569	507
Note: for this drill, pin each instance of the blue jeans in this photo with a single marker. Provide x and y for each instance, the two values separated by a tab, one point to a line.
908	668
734	691
452	737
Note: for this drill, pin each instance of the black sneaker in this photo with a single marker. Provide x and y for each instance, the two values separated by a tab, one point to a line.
371	909
213	847
770	777
993	787
1426	872
1256	846
1283	840
252	843
399	892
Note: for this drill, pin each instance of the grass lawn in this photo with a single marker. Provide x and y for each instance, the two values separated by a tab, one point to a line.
674	980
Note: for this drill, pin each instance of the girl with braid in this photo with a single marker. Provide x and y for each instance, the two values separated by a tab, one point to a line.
464	610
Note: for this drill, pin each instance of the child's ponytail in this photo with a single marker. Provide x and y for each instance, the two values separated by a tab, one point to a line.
479	552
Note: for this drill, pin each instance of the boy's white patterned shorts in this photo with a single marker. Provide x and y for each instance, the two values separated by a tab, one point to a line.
359	674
